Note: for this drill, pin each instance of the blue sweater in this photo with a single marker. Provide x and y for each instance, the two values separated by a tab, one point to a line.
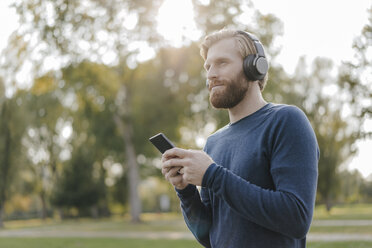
260	192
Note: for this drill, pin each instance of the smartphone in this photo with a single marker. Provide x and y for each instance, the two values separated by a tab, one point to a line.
161	142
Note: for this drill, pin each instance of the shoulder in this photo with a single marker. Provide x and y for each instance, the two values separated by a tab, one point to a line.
285	109
291	121
283	112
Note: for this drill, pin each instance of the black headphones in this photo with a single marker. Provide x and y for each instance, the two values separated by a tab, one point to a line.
255	66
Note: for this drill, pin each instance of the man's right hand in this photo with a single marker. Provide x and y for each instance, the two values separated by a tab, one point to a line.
174	176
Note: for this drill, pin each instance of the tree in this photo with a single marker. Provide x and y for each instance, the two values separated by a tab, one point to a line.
356	82
13	119
90	89
63	30
366	190
40	140
351	186
5	145
77	187
334	133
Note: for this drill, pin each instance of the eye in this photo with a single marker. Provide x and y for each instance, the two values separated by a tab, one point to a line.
222	62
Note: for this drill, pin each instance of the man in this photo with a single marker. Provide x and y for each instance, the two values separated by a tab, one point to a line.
257	174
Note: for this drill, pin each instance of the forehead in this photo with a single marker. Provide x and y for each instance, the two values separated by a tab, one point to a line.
225	48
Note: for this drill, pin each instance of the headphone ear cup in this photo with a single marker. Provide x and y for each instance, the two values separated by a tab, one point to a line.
255	67
247	67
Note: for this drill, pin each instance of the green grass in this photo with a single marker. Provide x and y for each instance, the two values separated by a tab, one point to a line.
171	223
138	243
94	243
150	222
341	229
344	212
357	244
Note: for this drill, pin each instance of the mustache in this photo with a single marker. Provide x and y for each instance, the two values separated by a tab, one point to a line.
214	82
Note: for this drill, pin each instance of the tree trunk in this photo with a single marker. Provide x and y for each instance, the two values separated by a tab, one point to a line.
329	204
5	163
43	205
134	200
1	215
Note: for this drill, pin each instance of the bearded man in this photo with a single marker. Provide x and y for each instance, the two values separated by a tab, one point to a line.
258	174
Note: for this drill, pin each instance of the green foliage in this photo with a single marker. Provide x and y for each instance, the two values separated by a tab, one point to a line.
78	188
12	156
355	80
352	187
366	190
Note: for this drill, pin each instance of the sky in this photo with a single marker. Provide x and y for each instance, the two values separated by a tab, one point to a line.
311	28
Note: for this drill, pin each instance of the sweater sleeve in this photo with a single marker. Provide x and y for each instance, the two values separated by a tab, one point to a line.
287	209
196	211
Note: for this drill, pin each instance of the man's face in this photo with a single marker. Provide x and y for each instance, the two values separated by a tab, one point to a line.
227	83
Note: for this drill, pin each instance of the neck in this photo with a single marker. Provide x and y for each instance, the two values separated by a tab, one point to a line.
252	102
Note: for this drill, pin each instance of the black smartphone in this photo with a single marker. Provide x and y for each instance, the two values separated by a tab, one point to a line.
161	142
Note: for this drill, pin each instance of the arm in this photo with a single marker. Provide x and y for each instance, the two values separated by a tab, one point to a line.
196	212
195	208
294	156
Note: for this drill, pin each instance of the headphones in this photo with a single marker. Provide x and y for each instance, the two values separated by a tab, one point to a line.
255	66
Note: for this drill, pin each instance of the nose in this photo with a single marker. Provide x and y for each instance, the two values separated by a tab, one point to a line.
212	73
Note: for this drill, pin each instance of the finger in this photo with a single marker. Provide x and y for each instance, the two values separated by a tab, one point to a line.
175	152
165	170
164	158
171	173
174	171
174	162
177	180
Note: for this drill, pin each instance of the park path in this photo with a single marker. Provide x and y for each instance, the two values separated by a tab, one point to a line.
324	237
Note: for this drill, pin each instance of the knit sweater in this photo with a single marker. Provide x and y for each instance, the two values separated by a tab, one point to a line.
260	192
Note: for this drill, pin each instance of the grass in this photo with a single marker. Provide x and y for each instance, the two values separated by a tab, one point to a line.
150	223
138	243
344	212
94	243
169	223
357	244
341	229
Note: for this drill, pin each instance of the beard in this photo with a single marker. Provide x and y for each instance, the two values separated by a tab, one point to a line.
233	93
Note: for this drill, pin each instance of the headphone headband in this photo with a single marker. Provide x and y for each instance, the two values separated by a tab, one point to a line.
255	65
259	48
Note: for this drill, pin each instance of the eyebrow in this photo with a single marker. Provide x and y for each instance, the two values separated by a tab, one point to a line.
218	59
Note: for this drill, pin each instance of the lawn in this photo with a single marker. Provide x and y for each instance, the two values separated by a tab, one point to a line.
163	223
341	229
138	243
150	223
344	212
93	243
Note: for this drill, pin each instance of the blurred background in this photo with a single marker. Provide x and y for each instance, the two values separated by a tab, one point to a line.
84	84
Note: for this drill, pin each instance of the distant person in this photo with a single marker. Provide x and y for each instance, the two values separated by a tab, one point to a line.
258	174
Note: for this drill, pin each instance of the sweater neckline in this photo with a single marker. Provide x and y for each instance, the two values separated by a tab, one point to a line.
250	116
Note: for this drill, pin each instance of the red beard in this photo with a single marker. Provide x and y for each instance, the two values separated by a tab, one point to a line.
232	94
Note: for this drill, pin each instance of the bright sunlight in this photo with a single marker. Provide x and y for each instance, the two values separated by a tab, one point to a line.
176	22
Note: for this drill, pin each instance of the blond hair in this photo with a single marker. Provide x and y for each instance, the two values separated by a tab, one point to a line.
245	46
